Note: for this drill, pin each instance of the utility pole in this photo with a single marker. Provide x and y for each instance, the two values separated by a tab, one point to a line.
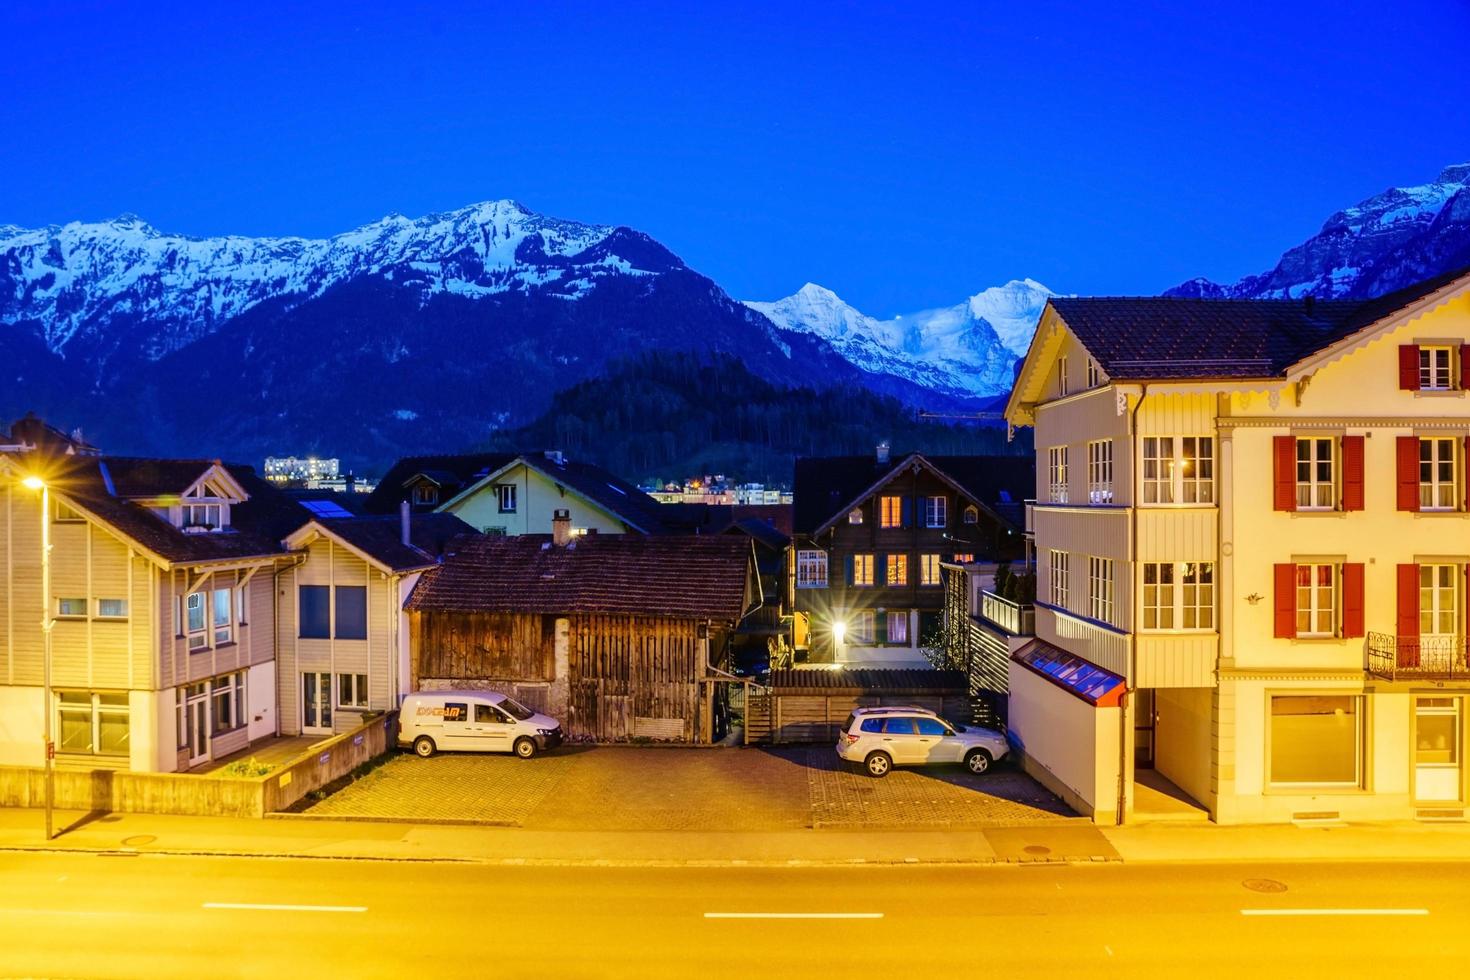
36	483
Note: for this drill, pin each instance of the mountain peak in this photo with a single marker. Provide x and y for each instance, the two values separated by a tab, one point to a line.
1455	173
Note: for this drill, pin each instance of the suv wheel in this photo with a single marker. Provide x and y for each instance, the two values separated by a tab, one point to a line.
423	746
878	764
978	761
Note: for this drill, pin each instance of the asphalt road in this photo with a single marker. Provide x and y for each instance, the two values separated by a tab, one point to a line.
157	916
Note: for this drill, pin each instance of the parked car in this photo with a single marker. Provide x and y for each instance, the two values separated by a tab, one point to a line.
473	721
880	738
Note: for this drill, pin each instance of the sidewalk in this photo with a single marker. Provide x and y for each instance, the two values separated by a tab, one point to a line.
1051	843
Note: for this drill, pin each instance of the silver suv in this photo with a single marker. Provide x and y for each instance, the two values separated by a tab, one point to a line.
881	738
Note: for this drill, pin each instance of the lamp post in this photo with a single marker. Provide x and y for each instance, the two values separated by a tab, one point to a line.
36	483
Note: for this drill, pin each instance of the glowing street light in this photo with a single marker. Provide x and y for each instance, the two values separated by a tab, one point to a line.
36	483
839	630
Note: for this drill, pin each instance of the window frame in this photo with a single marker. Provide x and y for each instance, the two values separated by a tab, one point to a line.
197	639
886	519
1056	474
231	689
1435	466
1183	596
807	562
63	601
1359	731
95	710
1314	591
1100	471
1059	573
868	562
1315	486
64	513
358	685
338	631
1437	593
1101	589
890	617
112	617
301	619
862	628
1062	389
936	511
424	494
1429	371
855	516
895	569
929	573
506	498
1094	375
222	631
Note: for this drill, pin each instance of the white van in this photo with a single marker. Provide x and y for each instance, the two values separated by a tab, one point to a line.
473	721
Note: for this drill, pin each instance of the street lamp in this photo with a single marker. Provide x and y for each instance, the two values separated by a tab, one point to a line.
36	483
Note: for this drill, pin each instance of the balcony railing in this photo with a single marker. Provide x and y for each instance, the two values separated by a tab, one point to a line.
1015	619
1030	527
1417	658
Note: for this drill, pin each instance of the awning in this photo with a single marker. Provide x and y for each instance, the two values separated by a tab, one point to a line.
1081	678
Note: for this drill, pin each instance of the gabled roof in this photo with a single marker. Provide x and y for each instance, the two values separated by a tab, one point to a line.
1161	338
705	577
591	482
827	487
450	472
88	483
379	539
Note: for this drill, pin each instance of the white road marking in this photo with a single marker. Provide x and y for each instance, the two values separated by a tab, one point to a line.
793	915
1334	911
284	908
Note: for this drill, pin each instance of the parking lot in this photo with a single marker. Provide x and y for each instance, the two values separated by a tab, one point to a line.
647	788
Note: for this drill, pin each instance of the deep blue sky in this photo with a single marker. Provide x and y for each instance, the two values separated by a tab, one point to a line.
901	155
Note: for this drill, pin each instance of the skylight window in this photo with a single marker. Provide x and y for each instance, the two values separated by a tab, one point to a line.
326	508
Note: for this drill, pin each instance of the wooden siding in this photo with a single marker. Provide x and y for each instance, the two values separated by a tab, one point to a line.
1187	534
1176	659
484	646
630	675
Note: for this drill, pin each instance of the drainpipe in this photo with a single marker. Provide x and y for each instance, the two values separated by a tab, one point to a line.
1125	704
296	561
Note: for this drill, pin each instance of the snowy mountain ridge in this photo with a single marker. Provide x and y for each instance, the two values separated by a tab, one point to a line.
968	349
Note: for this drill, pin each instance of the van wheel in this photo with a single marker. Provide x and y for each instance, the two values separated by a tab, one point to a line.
423	746
525	748
978	761
878	764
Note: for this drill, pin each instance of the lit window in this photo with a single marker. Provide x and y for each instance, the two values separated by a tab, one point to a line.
1439	614
896	570
860	629
223	606
1316	740
1158	595
1437	474
898	627
1316	487
855	516
195	625
203	517
971	515
811	569
890	512
1315	598
862	570
936	511
1057	474
1197	469
1178	595
1100	472
1158	469
92	724
929	569
964	557
1434	368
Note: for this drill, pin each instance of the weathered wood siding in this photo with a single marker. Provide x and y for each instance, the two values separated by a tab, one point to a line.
634	676
484	646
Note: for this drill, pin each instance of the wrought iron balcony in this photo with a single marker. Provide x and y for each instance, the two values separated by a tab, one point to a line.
1015	619
1417	658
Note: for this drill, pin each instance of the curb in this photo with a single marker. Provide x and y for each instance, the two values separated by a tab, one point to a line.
309	817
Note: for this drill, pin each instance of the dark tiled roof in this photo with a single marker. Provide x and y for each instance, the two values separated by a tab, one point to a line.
868	680
381	537
827	485
681	577
141	477
257	526
1160	337
761	531
452	473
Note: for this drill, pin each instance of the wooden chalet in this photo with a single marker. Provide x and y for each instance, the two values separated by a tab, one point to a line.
617	636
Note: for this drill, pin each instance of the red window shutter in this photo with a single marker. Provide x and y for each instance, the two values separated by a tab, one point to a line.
1408	618
1408	473
1352	472
1285	601
1466	478
1352	600
1465	365
1409	367
1284	471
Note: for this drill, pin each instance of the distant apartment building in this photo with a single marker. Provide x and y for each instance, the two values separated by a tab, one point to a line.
1252	534
295	469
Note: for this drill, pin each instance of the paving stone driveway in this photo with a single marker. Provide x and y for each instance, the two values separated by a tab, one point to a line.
645	788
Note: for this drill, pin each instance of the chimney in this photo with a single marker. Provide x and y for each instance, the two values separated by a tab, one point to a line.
883	452
561	528
403	522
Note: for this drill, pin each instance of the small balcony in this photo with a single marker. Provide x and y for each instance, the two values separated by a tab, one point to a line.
1414	658
1014	618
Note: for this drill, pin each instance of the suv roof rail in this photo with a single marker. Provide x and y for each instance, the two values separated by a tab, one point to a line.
876	709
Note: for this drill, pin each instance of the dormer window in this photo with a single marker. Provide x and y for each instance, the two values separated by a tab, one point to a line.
202	517
206	507
425	494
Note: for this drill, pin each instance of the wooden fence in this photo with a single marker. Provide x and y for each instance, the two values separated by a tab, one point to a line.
205	794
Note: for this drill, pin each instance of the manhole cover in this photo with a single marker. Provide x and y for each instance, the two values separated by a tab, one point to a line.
1036	849
138	840
1268	885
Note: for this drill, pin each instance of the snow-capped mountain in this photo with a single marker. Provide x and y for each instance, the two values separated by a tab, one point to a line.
966	350
1386	242
404	334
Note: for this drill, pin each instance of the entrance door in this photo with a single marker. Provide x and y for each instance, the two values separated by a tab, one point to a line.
316	703
1437	733
197	706
1144	716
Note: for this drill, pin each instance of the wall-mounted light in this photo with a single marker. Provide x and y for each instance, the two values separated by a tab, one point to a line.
839	630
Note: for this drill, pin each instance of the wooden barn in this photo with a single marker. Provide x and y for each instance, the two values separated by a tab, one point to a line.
618	636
